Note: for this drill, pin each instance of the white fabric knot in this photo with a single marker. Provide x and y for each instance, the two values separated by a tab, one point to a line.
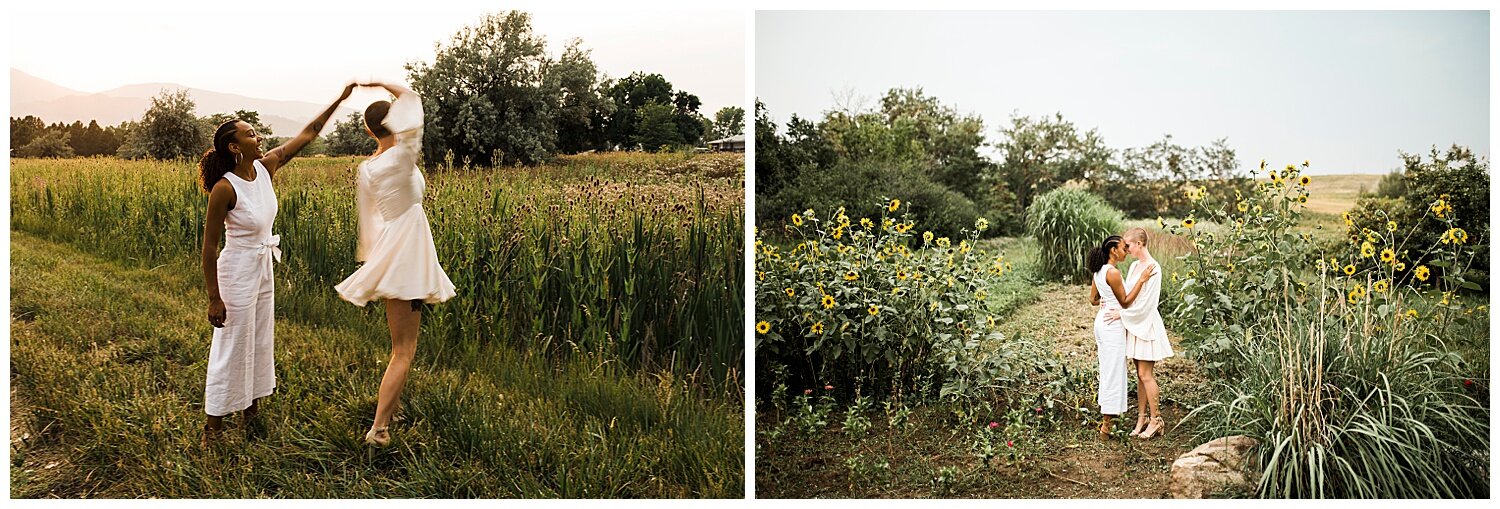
273	245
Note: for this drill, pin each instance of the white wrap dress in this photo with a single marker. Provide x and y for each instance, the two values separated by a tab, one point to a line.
241	367
1145	334
1109	337
395	239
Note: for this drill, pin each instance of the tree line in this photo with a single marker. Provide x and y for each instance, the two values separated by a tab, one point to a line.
492	96
911	145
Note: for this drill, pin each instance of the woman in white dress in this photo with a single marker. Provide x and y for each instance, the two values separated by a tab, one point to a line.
241	291
395	242
1108	292
1145	333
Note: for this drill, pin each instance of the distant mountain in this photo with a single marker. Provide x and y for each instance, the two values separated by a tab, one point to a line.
30	95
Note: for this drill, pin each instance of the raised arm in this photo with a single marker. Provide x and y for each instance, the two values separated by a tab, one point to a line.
219	201
394	89
1118	286
283	154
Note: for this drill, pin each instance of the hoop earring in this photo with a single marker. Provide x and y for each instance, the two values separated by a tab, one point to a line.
237	157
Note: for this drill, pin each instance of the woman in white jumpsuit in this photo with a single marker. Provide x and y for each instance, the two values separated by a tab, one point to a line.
395	242
1107	292
241	291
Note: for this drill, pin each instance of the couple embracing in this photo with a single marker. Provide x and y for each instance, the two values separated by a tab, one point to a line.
1128	326
395	242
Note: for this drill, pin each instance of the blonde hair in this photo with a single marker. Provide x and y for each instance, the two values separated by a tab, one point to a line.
1136	234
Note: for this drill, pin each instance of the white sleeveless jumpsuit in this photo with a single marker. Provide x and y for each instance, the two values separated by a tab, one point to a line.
1109	337
240	364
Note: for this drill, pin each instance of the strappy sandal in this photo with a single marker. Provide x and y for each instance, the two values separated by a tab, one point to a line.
1140	424
1158	425
378	437
1104	430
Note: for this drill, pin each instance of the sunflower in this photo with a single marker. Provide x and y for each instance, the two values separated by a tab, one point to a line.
1161	223
1400	266
1242	206
763	327
1349	269
1387	256
828	302
874	310
817	328
926	237
1305	180
866	222
1411	313
943	242
895	290
1302	199
1380	286
1422	272
901	274
895	204
981	224
851	276
1356	294
796	220
1366	250
1188	223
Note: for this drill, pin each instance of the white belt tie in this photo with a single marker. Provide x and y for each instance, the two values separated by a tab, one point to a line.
273	244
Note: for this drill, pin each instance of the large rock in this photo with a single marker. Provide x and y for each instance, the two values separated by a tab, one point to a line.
1217	466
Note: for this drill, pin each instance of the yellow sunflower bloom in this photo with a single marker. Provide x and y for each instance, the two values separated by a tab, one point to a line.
1390	226
828	302
1349	269
1380	286
851	276
895	204
1387	256
796	220
1189	222
874	310
1366	250
1305	180
866	222
1422	273
926	237
817	328
763	327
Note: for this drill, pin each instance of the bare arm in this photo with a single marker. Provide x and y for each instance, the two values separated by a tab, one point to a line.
220	200
1093	295
396	90
283	154
1118	286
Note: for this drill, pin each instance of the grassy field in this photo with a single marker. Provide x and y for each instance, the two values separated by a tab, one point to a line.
922	449
598	392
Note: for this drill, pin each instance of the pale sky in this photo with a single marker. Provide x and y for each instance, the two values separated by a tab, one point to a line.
1345	90
279	50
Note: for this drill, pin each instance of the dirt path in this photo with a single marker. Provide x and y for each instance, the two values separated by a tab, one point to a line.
1125	467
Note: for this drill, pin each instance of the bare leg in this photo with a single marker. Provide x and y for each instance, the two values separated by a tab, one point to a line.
1140	402
404	322
1106	425
1150	393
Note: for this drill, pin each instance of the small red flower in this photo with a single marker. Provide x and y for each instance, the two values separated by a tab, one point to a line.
1038	409
1010	443
994	425
807	392
1468	383
828	387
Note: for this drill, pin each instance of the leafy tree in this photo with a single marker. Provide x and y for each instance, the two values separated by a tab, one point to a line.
349	137
1458	178
25	129
93	140
582	106
52	143
657	127
1154	180
1041	154
629	94
168	130
485	94
728	121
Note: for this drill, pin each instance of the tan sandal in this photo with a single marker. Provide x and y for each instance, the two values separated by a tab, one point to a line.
1158	425
378	437
1140	424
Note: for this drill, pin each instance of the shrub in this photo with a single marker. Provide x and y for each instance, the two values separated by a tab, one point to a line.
877	306
1456	182
1067	222
858	188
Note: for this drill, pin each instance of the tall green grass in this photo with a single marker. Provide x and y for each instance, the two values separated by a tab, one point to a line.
634	255
1067	223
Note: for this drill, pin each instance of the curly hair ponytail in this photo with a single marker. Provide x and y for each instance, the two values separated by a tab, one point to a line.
218	160
1098	257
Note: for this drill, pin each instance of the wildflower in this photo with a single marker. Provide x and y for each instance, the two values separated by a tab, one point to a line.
1468	383
994	424
763	327
817	328
887	222
1305	180
1390	226
1455	236
874	310
1038	409
1257	209
1243	206
901	274
1302	199
791	293
760	275
1411	313
1189	222
1348	221
1160	223
981	224
926	237
1366	250
1304	163
828	302
796	220
1349	269
896	290
1010	443
1231	266
806	392
828	387
838	233
1400	266
866	222
1356	294
943	242
895	204
1422	272
1380	286
851	276
1387	256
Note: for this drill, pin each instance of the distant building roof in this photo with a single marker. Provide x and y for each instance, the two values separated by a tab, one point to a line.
738	138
